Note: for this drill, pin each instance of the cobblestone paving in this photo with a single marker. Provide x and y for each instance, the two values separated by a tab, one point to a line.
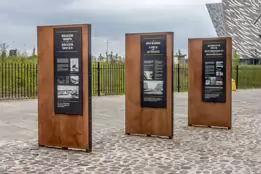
193	150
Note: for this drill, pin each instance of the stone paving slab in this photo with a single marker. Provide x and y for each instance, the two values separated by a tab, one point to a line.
192	150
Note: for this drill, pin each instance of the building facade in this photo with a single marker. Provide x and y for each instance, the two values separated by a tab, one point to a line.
235	18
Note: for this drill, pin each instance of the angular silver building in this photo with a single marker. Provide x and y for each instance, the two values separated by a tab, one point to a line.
235	18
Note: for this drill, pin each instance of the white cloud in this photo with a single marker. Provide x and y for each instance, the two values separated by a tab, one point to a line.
110	20
132	5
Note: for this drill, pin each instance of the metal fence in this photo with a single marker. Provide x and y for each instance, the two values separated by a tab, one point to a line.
19	81
181	78
108	79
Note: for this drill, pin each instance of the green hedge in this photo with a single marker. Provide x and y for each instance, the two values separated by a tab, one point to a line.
20	79
249	76
112	79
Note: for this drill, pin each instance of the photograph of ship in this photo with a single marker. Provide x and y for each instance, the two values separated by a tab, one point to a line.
153	87
74	65
148	75
67	92
74	79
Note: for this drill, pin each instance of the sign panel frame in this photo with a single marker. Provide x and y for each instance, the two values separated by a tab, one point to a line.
214	71
153	71
68	84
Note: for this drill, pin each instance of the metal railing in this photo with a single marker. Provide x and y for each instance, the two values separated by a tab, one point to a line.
19	81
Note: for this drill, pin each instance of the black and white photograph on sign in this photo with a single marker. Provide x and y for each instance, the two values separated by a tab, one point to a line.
61	80
67	92
207	82
148	75
212	80
74	79
219	72
219	64
219	82
74	64
153	87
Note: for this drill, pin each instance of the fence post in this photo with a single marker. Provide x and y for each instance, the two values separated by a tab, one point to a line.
99	79
237	77
178	78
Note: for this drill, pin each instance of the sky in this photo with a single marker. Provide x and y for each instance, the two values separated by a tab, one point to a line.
110	20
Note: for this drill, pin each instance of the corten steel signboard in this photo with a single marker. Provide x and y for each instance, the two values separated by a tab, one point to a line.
64	86
209	82
214	71
149	84
153	71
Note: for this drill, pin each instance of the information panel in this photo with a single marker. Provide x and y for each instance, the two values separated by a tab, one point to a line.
68	71
153	71
214	71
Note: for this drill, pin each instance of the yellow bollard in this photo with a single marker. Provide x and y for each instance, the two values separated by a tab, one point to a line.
234	88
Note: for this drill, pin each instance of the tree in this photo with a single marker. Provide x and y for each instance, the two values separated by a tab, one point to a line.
236	58
94	60
13	53
107	57
3	50
101	58
34	52
111	58
180	56
120	59
22	53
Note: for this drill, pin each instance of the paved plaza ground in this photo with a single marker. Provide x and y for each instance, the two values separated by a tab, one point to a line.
193	150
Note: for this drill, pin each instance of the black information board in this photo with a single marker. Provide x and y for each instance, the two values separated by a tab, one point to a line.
68	97
214	71
153	71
